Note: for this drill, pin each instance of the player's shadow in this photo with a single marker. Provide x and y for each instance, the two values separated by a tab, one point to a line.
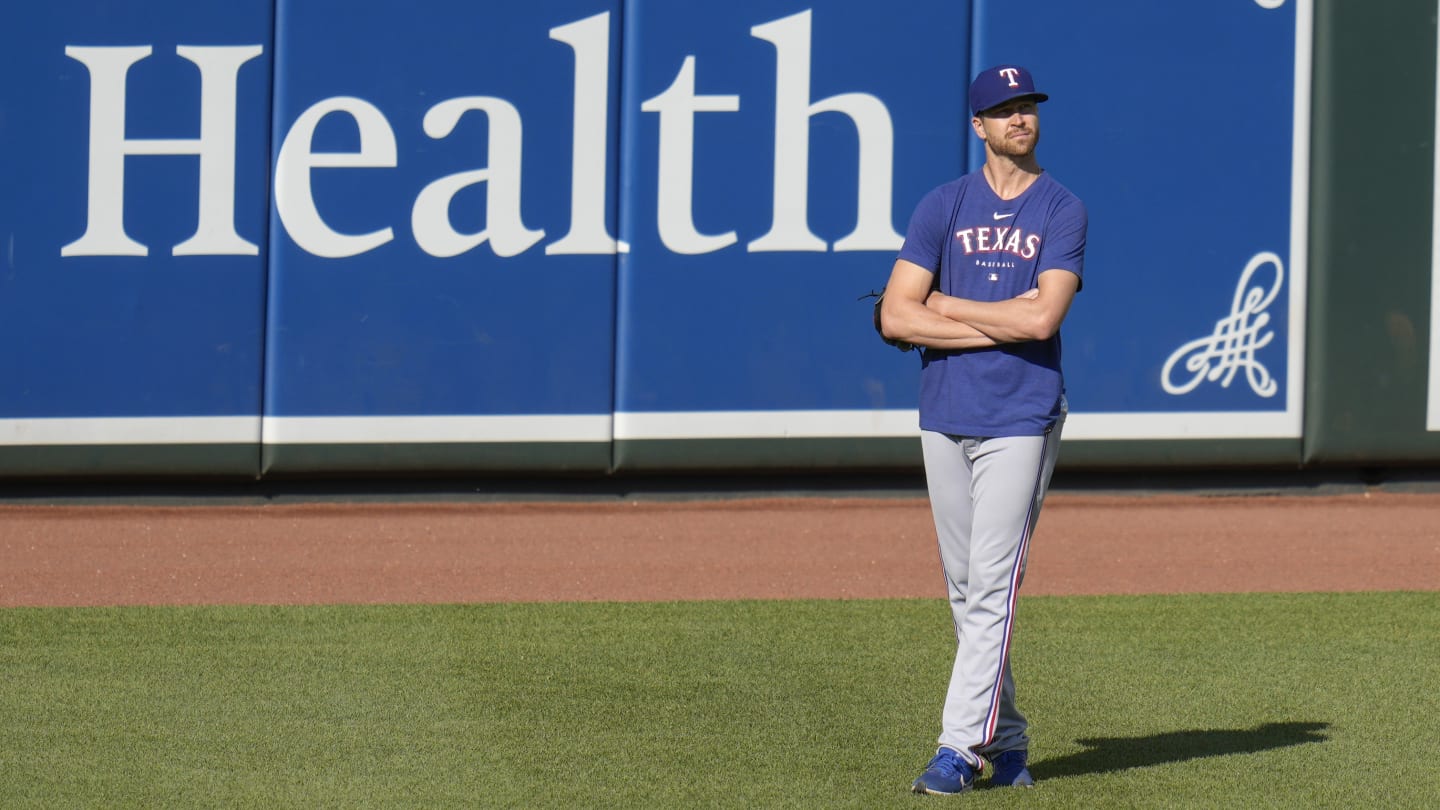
1106	754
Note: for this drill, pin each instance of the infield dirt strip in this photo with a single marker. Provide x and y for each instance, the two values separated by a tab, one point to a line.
813	547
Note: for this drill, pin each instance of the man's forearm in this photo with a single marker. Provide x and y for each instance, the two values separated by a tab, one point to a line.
1012	320
913	322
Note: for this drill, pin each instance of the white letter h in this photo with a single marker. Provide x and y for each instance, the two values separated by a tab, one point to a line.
790	229
105	218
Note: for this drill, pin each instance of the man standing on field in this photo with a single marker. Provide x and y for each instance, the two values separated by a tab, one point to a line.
990	265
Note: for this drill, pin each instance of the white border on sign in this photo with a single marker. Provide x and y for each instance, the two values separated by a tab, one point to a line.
140	430
252	430
503	429
877	424
889	424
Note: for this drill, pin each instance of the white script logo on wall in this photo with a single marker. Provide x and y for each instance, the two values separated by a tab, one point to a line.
1235	341
676	110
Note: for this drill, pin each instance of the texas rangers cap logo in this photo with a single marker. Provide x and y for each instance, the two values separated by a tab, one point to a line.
997	85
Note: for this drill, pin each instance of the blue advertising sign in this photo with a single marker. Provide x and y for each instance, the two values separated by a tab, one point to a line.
133	157
1191	153
443	251
773	154
307	225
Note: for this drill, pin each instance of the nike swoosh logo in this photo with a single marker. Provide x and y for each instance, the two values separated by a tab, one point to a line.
999	217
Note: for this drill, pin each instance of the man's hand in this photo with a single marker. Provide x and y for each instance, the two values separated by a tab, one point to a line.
905	316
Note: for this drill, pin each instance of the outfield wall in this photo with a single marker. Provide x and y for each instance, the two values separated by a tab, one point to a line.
281	238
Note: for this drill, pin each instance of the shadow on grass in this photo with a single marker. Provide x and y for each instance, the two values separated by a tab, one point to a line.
1106	754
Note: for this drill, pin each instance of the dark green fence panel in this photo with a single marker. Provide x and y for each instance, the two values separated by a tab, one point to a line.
1372	192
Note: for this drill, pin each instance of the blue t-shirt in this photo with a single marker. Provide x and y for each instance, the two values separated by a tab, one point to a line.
988	249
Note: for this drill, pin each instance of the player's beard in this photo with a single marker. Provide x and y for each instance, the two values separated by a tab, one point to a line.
1007	147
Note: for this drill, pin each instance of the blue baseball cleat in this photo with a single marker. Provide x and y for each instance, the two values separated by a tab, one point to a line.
946	775
1010	771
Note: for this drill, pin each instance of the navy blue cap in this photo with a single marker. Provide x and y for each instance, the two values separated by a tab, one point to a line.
997	85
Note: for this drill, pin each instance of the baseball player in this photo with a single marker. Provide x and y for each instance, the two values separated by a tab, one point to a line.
990	265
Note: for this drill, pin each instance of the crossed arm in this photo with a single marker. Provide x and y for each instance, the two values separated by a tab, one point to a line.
914	313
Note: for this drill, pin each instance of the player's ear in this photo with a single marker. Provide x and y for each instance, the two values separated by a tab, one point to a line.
978	126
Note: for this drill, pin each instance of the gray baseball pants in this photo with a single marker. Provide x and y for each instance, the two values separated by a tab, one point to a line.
985	495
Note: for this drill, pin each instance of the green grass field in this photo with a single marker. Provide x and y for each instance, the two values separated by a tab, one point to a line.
1305	701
